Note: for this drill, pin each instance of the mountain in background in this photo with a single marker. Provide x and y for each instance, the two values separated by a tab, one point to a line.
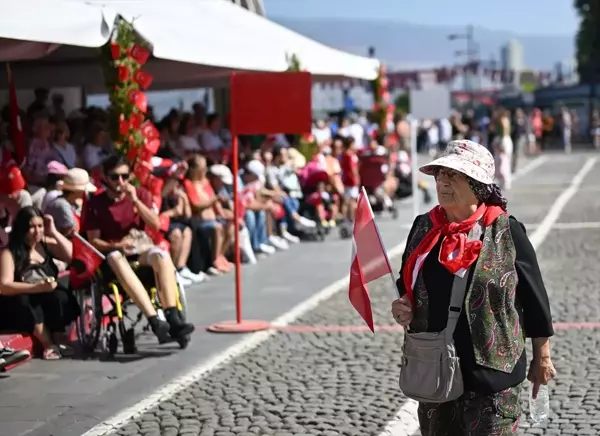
407	45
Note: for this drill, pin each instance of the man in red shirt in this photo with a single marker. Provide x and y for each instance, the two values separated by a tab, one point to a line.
113	219
350	177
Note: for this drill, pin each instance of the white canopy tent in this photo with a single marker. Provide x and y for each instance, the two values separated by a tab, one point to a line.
195	43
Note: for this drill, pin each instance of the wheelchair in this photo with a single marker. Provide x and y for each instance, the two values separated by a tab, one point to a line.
105	310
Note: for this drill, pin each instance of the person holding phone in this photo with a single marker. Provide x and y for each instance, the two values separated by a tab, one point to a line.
32	301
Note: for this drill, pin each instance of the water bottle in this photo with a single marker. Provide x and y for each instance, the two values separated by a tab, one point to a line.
539	408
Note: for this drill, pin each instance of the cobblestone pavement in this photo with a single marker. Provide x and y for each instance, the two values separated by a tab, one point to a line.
322	376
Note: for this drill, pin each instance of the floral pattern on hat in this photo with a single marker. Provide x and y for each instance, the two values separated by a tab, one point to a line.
467	157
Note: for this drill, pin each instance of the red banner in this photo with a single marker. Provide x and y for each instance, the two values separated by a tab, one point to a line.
266	103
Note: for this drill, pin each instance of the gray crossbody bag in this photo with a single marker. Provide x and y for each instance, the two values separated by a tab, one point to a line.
430	370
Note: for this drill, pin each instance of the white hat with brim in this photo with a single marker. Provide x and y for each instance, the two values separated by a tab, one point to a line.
77	179
466	157
223	173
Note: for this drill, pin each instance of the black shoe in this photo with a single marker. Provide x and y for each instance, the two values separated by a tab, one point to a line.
161	330
179	329
9	357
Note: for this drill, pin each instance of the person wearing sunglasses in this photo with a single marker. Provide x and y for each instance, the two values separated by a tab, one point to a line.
115	221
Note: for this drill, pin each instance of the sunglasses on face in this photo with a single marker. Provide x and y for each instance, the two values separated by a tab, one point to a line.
447	172
116	176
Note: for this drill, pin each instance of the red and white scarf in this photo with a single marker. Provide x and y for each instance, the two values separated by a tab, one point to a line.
457	253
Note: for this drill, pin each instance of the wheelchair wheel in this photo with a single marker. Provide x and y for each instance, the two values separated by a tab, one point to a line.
89	324
128	339
112	342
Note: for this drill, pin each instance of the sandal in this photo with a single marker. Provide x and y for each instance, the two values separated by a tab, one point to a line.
52	353
66	350
223	264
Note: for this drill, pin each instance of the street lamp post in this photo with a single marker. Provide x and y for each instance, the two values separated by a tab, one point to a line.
471	54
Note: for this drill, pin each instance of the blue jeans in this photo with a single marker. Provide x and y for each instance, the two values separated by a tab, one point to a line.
256	223
291	206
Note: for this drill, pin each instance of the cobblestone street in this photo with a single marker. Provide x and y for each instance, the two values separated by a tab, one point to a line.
325	374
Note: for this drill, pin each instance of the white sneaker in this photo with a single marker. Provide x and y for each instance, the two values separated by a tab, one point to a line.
266	249
214	272
195	278
305	222
290	238
278	243
184	281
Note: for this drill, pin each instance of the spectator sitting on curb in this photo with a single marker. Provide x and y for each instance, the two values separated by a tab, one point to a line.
177	207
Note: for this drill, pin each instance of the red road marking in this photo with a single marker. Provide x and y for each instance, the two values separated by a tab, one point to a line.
396	328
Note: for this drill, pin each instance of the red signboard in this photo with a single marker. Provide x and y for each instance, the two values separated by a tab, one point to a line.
268	103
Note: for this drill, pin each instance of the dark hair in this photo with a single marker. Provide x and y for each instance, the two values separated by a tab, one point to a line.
276	151
489	194
52	180
348	142
16	240
210	118
112	162
183	123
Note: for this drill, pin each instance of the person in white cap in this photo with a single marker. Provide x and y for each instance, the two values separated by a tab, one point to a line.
65	209
470	275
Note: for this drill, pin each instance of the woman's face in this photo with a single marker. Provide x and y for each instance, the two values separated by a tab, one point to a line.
453	189
36	231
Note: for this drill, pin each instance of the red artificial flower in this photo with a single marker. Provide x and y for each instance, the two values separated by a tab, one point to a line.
142	78
140	54
115	50
123	73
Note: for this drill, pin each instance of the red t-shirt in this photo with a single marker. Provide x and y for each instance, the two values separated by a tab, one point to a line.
349	166
114	219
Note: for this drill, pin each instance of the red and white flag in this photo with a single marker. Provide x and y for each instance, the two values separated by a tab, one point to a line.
369	259
86	260
16	128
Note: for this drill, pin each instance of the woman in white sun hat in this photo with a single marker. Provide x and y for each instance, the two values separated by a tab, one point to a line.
66	209
470	272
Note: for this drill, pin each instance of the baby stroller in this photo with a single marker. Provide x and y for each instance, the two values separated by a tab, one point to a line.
374	167
311	176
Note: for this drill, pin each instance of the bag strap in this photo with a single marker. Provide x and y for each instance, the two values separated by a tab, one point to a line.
459	288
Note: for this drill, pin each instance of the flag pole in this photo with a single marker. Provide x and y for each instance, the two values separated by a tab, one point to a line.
387	259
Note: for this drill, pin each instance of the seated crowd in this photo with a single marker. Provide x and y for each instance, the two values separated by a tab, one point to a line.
77	183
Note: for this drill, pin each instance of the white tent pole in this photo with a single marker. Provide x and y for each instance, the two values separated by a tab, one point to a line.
415	167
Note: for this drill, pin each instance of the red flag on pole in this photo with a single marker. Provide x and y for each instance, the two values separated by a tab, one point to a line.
86	260
15	119
369	259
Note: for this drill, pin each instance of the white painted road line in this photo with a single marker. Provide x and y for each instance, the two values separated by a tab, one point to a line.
244	345
576	226
405	422
554	213
538	161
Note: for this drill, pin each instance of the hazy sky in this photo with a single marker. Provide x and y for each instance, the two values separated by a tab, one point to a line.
548	17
